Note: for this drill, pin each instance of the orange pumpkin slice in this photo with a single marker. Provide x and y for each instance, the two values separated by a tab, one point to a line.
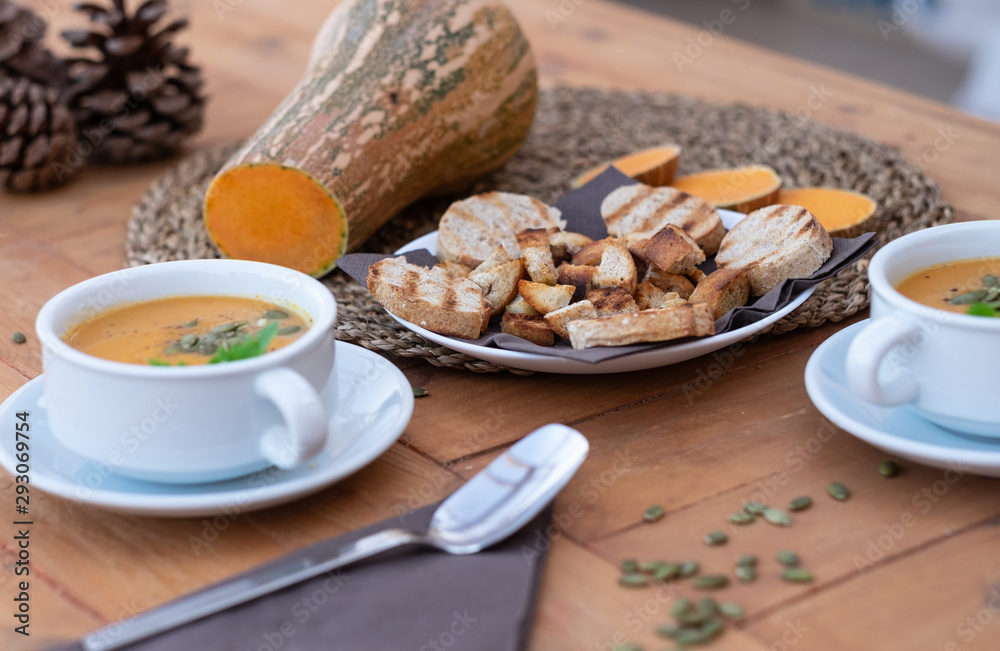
844	213
743	189
655	166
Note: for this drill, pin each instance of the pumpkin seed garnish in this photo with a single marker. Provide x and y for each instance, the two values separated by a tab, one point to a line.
419	393
788	559
680	606
19	338
190	324
888	469
777	517
747	559
688	568
226	327
276	314
989	280
633	580
289	330
716	537
653	513
742	518
172	349
838	491
797	575
189	341
698	614
746	573
968	298
731	610
666	571
755	508
630	566
800	503
701	635
710	581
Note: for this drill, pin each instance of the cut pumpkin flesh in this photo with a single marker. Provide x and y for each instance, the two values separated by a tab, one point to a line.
843	213
655	166
743	189
273	213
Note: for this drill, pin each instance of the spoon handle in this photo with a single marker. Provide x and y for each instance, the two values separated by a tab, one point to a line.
230	593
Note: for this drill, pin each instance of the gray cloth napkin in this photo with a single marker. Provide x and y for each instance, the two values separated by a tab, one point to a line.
581	208
406	599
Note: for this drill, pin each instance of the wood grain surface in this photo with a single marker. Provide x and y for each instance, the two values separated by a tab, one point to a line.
894	569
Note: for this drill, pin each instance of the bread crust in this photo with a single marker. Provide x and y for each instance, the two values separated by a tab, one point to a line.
724	289
642	210
526	326
687	320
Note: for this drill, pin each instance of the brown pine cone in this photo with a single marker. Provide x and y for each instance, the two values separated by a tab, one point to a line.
21	52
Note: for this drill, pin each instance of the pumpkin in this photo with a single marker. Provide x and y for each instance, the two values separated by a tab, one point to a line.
401	100
742	189
655	166
843	213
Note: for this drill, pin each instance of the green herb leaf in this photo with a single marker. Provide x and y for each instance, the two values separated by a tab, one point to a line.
254	346
982	309
160	362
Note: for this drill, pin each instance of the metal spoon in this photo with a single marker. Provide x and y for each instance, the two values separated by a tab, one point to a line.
491	506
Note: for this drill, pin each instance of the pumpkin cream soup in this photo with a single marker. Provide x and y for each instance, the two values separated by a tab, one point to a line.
964	286
187	330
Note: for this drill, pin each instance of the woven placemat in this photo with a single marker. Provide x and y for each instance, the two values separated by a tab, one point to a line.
574	130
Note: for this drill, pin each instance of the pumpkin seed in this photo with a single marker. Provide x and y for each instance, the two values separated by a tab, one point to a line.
746	573
172	349
788	559
190	324
742	518
888	468
688	568
747	559
189	341
667	630
19	338
288	330
276	315
419	393
653	513
755	508
990	280
991	294
633	580
701	635
968	298
680	607
731	610
716	537
666	571
797	575
630	565
800	503
710	581
838	491
207	346
226	327
700	613
777	517
627	647
649	566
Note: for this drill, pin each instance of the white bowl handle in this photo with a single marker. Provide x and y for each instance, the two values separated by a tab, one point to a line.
305	431
865	356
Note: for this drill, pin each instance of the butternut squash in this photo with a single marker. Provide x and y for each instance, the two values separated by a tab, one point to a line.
743	189
401	100
843	213
655	166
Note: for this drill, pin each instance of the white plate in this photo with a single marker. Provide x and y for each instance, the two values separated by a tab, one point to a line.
898	430
661	356
374	403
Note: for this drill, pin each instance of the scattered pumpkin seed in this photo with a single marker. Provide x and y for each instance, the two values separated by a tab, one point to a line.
666	571
701	635
716	537
289	330
419	393
696	615
649	567
796	575
19	338
888	468
190	324
189	341
800	503
747	559
968	298
777	517
688	568
755	508
630	566
680	606
667	630
227	327
653	513
633	580
788	559
731	610
710	581
627	647
742	518
746	573
276	315
838	491
990	280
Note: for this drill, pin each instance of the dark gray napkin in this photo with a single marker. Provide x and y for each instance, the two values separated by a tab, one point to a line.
406	599
581	209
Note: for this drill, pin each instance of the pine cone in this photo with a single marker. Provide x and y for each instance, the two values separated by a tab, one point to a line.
141	99
21	54
37	136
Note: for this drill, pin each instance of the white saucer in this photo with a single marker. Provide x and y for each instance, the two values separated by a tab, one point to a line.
374	404
898	430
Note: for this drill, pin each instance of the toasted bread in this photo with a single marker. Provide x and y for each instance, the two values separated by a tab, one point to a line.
686	320
525	326
723	289
775	243
432	299
454	268
673	250
545	298
591	253
559	319
650	297
564	244
534	244
669	282
696	276
581	276
521	306
642	211
500	284
499	256
617	268
471	229
612	300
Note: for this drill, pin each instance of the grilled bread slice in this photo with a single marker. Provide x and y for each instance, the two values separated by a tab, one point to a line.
471	229
669	282
431	298
650	297
499	256
724	289
545	298
612	300
521	306
559	319
776	243
673	250
534	245
617	268
454	268
580	276
565	244
641	210
500	284
526	326
686	320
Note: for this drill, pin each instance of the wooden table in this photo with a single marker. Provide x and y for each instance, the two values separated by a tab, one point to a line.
751	430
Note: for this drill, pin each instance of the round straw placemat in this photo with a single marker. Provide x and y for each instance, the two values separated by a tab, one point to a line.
575	129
